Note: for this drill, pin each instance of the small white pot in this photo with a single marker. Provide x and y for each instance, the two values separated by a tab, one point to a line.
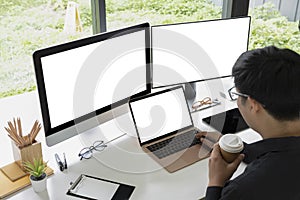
40	185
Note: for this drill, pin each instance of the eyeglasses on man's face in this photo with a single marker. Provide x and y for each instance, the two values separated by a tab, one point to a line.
235	94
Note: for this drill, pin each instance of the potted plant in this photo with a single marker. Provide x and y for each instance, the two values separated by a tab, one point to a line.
38	176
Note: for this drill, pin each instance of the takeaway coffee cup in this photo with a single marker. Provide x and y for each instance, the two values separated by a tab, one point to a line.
231	146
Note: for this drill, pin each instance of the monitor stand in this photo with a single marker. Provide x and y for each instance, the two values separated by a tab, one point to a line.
190	93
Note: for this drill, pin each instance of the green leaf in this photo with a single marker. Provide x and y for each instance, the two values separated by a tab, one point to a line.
37	168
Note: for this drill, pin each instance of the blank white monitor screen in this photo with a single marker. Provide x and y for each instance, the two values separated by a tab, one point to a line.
84	78
195	51
62	70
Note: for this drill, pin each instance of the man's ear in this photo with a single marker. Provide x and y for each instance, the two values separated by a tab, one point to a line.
254	105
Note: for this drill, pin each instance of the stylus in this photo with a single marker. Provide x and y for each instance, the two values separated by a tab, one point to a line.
59	163
65	161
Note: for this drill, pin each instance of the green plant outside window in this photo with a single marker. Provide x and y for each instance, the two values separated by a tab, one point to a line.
32	24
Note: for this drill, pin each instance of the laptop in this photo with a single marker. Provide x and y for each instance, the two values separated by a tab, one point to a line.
165	129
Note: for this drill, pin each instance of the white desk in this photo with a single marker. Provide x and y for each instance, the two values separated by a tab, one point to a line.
122	161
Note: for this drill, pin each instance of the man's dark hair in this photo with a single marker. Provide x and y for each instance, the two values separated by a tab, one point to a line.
271	76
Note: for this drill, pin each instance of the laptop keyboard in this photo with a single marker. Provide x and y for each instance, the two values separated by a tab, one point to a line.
174	144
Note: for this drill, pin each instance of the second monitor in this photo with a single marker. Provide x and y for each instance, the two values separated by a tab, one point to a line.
196	51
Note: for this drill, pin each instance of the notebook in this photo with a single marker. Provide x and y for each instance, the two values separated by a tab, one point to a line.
165	129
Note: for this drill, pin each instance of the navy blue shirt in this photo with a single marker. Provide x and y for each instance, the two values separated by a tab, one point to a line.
273	173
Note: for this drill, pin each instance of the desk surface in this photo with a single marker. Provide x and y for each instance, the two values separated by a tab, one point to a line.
122	161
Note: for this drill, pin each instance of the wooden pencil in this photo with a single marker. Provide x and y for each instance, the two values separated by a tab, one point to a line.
15	132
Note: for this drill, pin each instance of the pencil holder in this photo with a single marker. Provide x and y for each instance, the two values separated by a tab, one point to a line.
25	147
27	153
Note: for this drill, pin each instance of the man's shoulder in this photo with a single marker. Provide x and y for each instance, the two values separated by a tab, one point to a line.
265	178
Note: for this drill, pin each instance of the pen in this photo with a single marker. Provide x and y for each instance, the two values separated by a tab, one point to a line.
59	163
65	161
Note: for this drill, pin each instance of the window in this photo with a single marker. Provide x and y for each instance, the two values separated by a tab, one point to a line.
129	12
275	23
32	24
27	25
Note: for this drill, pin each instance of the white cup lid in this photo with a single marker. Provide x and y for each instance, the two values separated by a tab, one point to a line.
231	143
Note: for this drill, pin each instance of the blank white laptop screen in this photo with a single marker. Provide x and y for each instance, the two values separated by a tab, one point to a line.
161	114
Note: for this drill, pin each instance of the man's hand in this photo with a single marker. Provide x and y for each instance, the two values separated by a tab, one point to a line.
208	139
219	170
201	134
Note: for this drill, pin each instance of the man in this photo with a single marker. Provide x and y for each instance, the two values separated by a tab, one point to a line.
267	84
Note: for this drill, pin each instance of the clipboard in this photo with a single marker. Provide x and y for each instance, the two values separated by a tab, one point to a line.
90	187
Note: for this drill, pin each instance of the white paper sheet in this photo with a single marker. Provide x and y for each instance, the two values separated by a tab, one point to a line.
95	188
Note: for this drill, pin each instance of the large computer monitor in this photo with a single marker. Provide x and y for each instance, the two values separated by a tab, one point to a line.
84	83
197	51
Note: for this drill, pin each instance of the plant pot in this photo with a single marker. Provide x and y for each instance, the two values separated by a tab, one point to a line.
40	184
